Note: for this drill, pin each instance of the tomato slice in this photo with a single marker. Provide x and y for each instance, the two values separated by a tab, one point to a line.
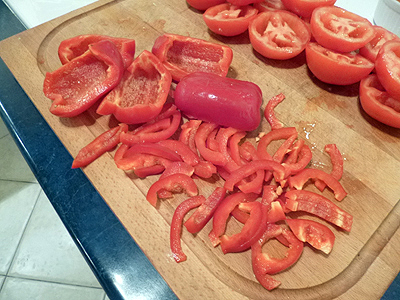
335	67
304	8
316	234
278	34
377	103
381	36
340	30
229	20
269	5
387	66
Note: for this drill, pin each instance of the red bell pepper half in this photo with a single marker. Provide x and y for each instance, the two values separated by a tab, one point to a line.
142	92
316	234
204	213
176	225
319	206
76	46
77	85
100	145
183	55
225	101
174	183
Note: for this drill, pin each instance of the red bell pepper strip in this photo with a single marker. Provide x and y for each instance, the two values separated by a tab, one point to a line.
205	169
204	213
223	212
297	181
100	145
73	89
337	165
266	280
316	234
273	135
302	160
234	147
320	206
76	46
176	225
241	215
269	112
182	150
153	149
188	132
221	100
155	169
141	93
183	55
252	230
252	167
272	265
160	128
177	167
200	138
174	183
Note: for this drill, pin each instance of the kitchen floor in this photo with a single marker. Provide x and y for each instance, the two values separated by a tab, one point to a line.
38	258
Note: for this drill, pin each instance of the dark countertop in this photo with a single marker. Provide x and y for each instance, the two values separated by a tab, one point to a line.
118	263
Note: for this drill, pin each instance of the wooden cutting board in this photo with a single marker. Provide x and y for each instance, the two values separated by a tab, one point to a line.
363	262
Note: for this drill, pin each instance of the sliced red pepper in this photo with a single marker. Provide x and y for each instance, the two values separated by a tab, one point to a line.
73	89
177	167
251	231
266	280
188	133
200	138
337	165
273	135
205	169
204	213
234	147
174	183
223	212
77	45
100	145
252	167
316	234
176	225
160	128
272	265
183	55
182	150
269	112
141	93
320	206
297	181
153	149
302	160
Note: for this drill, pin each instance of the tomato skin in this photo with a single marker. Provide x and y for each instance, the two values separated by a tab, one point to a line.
229	20
377	103
381	36
221	100
141	93
387	66
340	30
268	5
204	4
336	68
243	2
270	38
304	8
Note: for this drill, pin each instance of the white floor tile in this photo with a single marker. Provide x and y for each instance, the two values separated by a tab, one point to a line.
17	200
47	252
12	163
23	289
3	129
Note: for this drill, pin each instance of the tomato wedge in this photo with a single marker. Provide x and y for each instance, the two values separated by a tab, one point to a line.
340	30
141	93
278	34
304	8
335	67
204	4
387	66
229	20
377	103
316	234
381	36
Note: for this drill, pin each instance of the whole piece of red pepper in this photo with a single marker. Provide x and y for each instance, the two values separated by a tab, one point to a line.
77	85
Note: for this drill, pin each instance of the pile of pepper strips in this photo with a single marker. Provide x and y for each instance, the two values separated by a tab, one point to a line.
259	189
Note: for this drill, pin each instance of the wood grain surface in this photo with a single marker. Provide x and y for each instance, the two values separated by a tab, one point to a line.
363	262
